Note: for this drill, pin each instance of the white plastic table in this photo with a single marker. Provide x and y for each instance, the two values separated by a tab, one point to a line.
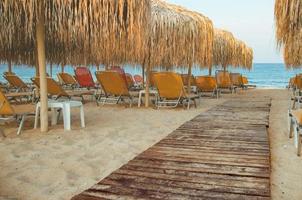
65	106
141	92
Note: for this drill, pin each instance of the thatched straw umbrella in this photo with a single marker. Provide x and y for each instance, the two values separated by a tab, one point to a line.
72	32
179	37
228	51
288	17
224	47
243	55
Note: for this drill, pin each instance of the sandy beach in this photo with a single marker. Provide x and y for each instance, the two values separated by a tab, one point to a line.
59	165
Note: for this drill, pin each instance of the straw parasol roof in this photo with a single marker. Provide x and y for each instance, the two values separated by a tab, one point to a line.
243	56
288	18
229	51
224	47
179	37
77	31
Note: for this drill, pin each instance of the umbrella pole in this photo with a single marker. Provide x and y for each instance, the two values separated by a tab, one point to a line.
210	71
50	69
9	66
189	79
143	73
40	38
147	95
62	68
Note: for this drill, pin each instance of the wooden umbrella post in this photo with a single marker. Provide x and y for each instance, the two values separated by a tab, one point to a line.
147	95
50	69
143	73
9	66
210	71
189	79
40	36
62	68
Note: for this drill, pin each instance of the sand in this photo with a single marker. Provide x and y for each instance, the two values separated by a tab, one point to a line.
59	165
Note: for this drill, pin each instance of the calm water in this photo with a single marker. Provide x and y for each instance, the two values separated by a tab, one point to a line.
262	75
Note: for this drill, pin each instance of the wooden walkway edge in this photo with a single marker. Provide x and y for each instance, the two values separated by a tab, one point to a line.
221	154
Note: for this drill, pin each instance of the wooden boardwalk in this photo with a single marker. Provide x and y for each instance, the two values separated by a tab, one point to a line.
221	154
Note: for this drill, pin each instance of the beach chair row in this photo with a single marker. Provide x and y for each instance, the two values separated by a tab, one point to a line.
114	86
295	111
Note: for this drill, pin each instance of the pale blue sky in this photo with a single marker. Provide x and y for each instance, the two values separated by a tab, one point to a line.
249	20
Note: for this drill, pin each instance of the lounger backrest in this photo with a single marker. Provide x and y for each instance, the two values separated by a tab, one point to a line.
185	78
84	77
206	83
223	79
112	83
5	106
236	79
299	82
129	80
67	78
15	81
152	83
245	80
36	81
120	71
53	88
169	85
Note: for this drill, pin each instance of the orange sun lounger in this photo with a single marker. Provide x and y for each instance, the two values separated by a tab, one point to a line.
67	80
7	112
55	90
115	87
207	84
223	80
171	91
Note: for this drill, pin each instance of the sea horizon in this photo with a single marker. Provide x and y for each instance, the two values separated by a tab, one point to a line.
263	75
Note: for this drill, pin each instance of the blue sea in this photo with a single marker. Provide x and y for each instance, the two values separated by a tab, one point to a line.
262	75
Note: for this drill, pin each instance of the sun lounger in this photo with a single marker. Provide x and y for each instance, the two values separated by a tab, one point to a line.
223	80
68	80
296	128
55	90
115	87
8	113
16	83
207	84
171	91
185	78
84	78
246	84
236	79
130	81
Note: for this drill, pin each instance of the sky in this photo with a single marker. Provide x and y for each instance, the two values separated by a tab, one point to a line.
249	20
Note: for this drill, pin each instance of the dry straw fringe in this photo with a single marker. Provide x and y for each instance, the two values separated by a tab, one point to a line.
228	51
288	17
179	37
77	31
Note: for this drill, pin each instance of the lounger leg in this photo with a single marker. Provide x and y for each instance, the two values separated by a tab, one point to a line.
21	124
131	101
188	106
82	116
291	127
139	99
299	144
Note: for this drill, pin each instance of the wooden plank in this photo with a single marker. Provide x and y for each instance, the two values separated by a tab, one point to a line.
221	154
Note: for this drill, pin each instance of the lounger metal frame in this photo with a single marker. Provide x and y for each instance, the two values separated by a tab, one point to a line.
296	131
